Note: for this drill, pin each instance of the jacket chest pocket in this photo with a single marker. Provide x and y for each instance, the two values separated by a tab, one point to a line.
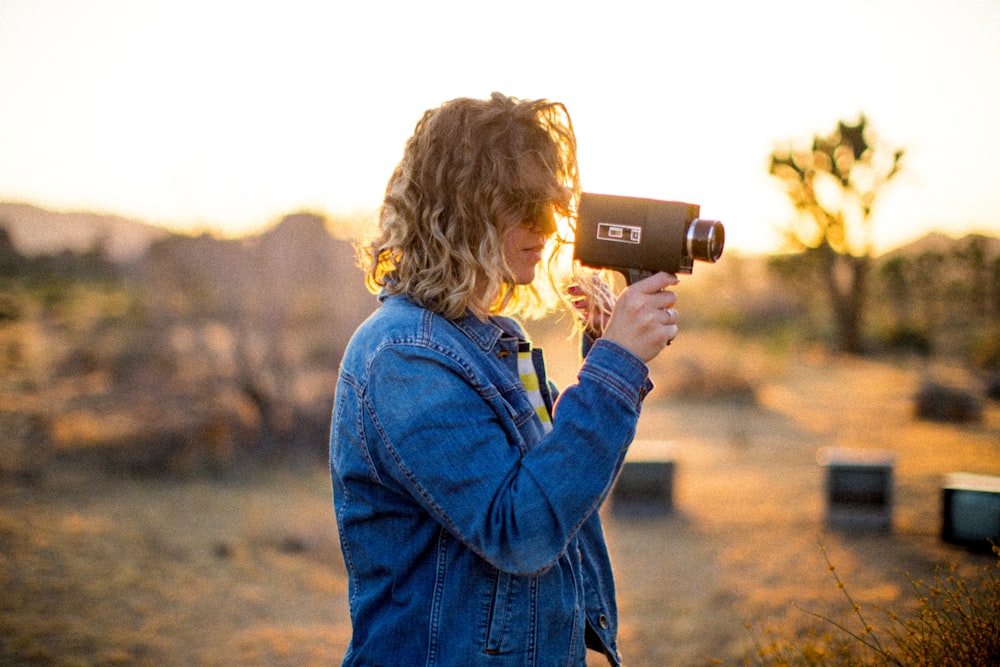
523	414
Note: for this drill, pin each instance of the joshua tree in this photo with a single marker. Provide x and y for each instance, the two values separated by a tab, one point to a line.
833	185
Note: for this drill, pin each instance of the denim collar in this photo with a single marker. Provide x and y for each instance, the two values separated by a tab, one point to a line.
485	334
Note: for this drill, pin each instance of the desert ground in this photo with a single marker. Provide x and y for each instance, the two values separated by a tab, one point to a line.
110	570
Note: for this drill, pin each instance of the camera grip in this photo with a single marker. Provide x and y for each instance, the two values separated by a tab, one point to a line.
635	275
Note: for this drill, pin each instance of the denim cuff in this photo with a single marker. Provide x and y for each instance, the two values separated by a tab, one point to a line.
615	365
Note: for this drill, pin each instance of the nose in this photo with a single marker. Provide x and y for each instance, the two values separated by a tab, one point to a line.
539	238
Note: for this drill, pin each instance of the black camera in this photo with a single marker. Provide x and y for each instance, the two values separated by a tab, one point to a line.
639	237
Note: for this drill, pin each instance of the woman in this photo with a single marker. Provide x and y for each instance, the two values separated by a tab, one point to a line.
466	495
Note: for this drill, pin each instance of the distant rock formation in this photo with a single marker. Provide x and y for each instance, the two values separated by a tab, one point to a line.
37	231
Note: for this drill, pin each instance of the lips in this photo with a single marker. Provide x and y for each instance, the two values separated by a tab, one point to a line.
535	252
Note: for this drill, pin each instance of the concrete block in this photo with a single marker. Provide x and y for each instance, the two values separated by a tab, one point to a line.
970	510
645	485
859	488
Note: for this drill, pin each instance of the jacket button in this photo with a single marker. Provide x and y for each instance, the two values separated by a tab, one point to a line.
602	621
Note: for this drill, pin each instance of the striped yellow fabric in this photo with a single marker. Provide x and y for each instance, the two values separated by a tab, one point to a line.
529	378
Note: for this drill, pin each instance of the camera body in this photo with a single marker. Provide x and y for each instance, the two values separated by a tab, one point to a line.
639	237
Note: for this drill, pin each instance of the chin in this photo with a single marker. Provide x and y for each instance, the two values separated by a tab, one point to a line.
526	278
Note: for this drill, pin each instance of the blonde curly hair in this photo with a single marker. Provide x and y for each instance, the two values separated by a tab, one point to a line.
472	170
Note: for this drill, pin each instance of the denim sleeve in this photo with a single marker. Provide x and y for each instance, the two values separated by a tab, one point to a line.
452	443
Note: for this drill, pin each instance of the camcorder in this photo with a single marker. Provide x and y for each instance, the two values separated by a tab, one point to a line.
639	237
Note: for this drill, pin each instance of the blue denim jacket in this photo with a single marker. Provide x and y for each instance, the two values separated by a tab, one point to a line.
469	537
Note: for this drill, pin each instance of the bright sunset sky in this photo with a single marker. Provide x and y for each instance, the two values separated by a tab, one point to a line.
226	115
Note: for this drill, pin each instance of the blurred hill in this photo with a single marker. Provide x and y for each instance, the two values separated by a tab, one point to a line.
296	265
37	231
296	259
185	353
937	242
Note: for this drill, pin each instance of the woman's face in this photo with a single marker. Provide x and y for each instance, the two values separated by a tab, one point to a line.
533	215
522	249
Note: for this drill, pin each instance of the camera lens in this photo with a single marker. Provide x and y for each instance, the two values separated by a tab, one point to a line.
705	239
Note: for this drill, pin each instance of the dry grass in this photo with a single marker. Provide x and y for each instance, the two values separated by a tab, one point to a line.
118	571
105	571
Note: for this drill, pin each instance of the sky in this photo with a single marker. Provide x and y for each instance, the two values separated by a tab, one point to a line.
226	115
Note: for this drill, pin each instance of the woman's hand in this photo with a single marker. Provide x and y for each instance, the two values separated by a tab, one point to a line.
644	320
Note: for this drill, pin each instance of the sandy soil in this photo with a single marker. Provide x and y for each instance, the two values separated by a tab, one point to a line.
111	571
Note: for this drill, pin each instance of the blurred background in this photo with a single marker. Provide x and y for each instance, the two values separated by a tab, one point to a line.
180	186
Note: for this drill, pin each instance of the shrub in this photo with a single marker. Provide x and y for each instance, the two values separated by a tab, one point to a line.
937	402
908	340
956	624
